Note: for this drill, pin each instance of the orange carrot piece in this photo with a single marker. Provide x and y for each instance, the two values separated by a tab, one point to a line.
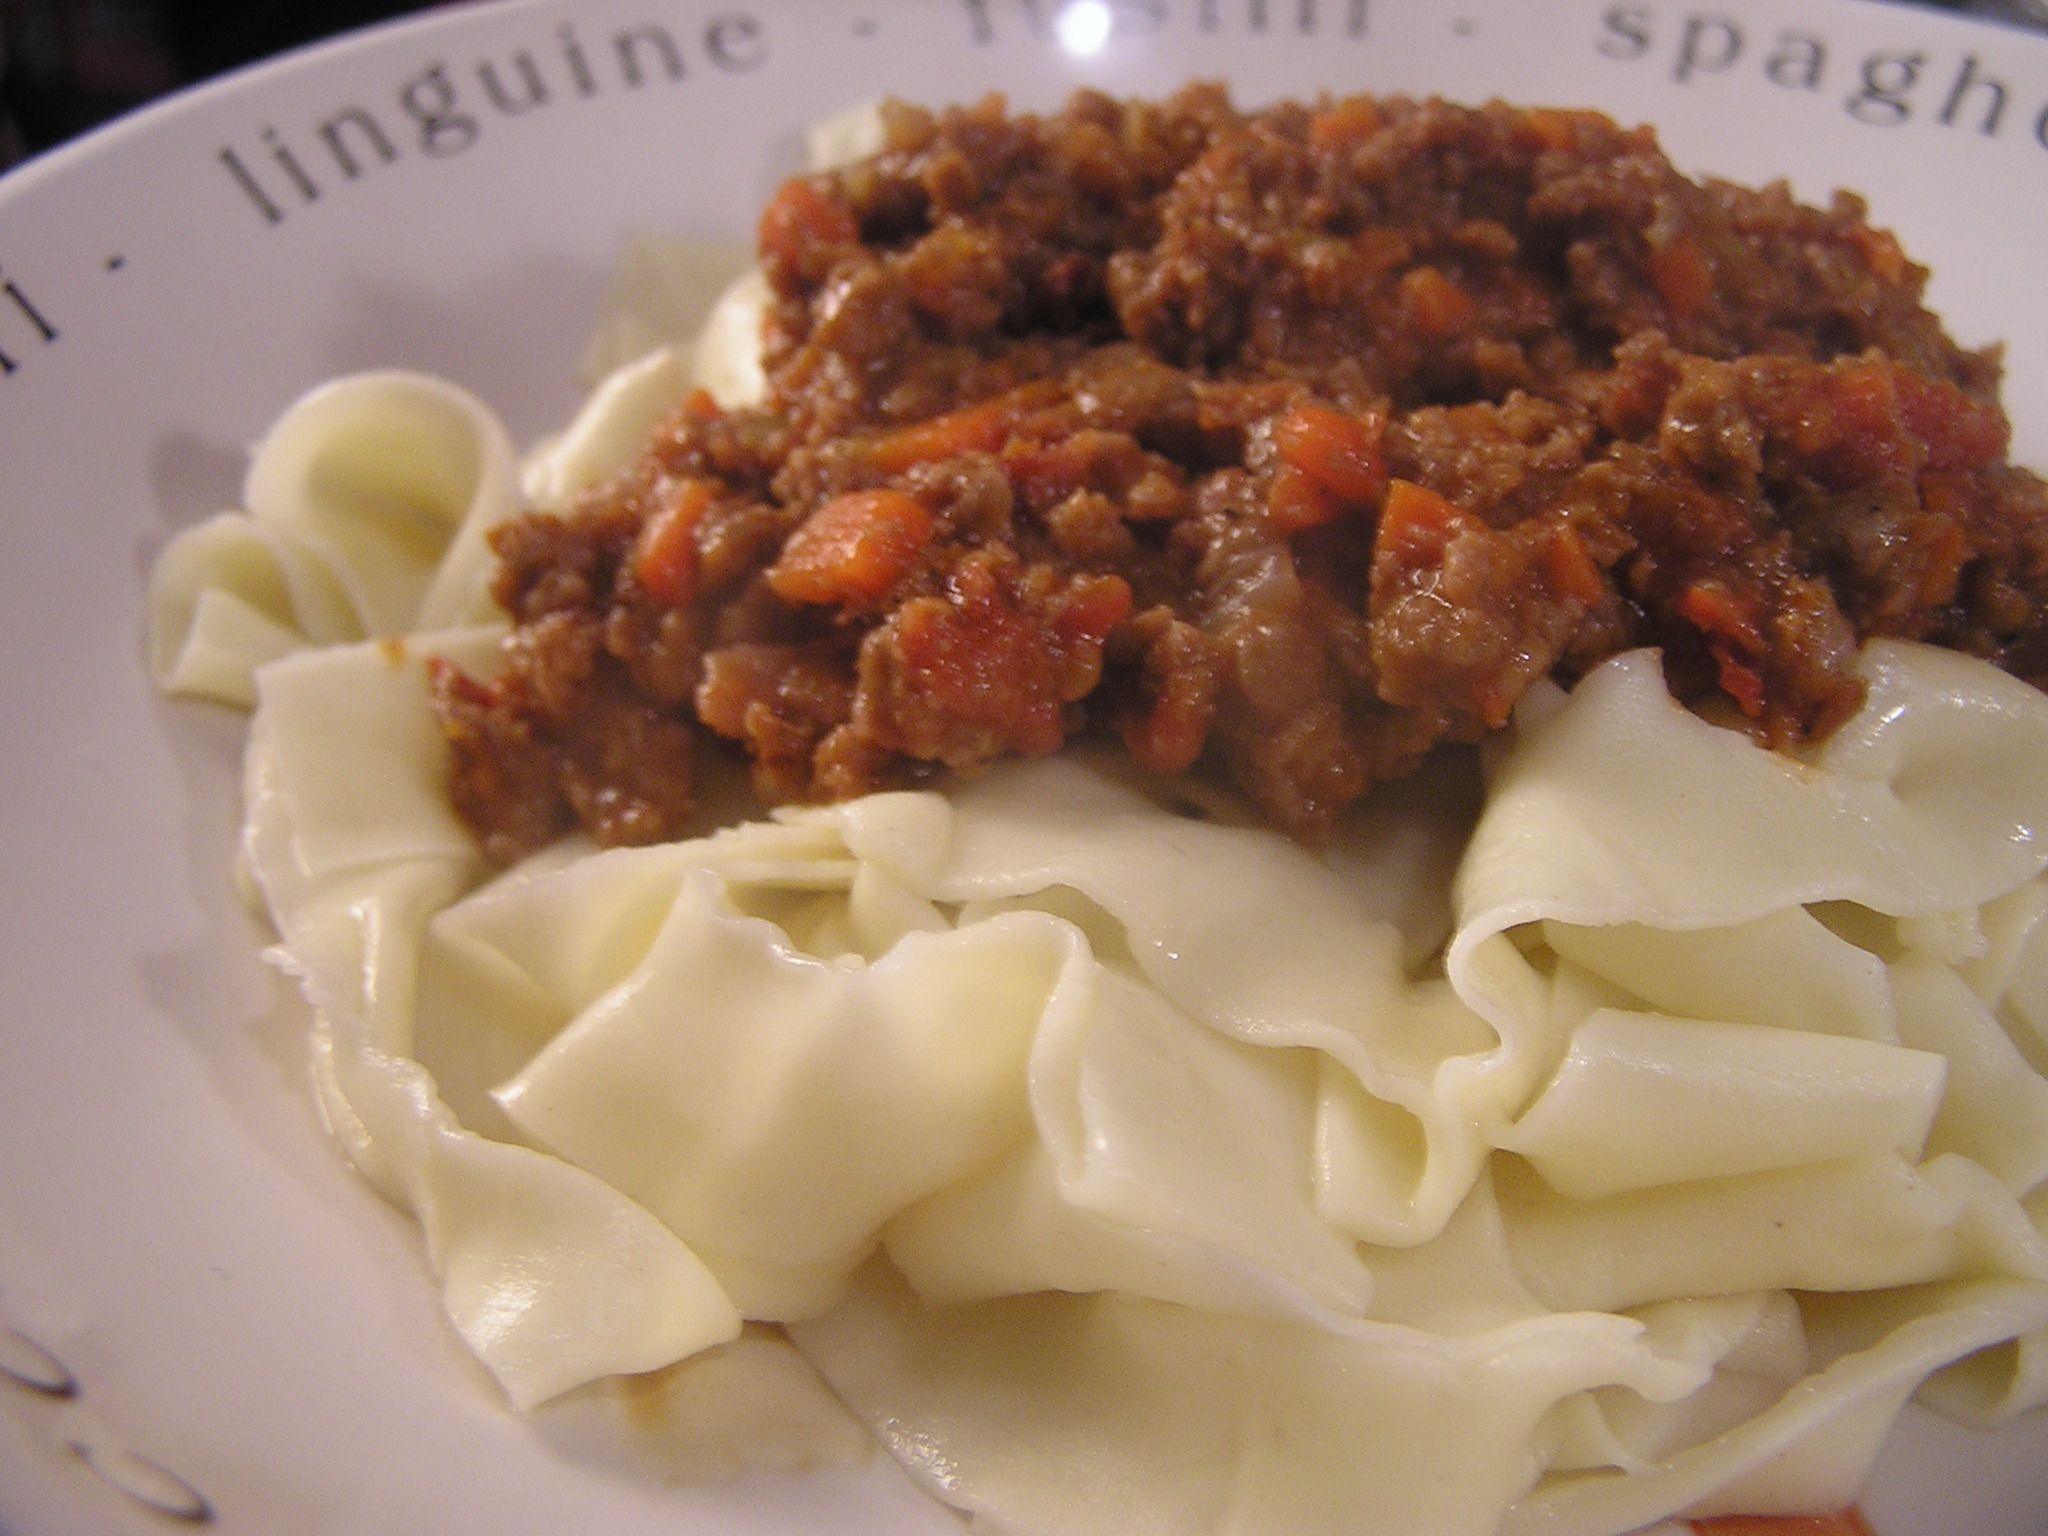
1715	609
1340	453
1570	565
853	548
978	428
1436	304
1297	503
1729	621
1882	253
1344	123
1682	277
1416	523
1943	573
1548	128
1739	680
665	554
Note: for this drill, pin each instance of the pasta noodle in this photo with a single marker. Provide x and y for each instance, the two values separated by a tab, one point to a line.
1129	1169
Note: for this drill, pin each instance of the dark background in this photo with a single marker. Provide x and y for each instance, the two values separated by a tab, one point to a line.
67	65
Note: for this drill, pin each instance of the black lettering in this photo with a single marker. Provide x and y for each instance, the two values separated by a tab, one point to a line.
2041	129
529	73
1968	82
1304	16
1136	18
735	44
628	46
1210	18
1627	32
289	163
429	100
368	129
1796	62
981	27
35	317
251	188
1888	79
579	66
1709	45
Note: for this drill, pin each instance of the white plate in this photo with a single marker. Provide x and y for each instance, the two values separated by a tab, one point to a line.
232	1306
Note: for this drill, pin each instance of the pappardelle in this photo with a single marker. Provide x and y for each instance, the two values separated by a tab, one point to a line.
1630	1134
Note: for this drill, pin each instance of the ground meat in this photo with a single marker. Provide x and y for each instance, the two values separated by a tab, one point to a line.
1295	442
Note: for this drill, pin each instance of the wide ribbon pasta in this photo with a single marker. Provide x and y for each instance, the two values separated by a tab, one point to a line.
364	513
1631	1135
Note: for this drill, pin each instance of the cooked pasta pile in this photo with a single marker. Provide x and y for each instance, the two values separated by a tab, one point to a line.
1627	1132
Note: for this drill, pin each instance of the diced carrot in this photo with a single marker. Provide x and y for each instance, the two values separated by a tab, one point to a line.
1570	565
1548	128
1847	1522
1949	552
1340	453
1882	253
1729	621
1682	276
1416	523
978	428
1436	304
1297	503
665	554
1344	123
1494	700
1739	680
1714	608
800	217
852	549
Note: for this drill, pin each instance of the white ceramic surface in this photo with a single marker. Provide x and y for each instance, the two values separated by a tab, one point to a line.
197	1302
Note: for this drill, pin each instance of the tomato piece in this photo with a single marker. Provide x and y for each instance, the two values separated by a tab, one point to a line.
853	548
1090	609
1956	431
801	218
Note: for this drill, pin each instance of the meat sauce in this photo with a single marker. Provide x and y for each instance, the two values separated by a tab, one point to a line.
1291	442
